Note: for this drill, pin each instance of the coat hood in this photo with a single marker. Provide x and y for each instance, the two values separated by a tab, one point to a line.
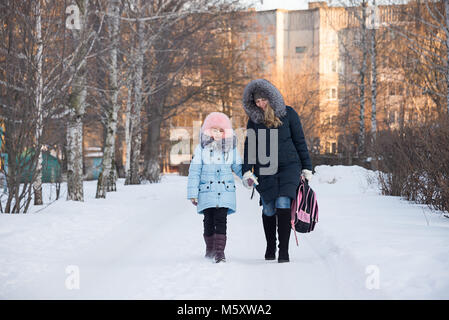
218	120
225	145
265	88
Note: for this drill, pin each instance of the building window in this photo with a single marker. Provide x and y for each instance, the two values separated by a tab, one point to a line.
392	89
341	67
300	49
334	66
332	94
392	34
409	117
393	117
334	147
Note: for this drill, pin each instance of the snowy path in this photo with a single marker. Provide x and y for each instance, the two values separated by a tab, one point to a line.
145	242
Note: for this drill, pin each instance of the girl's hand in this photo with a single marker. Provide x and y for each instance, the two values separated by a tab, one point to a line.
194	201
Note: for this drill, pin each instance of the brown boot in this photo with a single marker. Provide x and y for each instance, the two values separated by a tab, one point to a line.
210	246
220	244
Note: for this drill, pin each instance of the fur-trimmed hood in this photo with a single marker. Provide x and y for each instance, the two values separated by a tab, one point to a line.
218	120
274	97
225	145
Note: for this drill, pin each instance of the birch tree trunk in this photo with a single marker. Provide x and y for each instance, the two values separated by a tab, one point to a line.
75	142
38	105
76	110
106	181
128	132
362	82
446	11
152	170
373	87
136	139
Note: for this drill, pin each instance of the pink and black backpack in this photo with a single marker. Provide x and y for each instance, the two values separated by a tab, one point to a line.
304	209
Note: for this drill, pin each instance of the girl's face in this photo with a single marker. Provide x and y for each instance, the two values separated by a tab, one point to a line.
217	133
262	103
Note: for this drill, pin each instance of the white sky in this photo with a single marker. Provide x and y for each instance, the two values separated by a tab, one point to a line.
279	4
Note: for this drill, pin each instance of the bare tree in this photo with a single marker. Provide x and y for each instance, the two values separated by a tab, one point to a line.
161	53
20	98
426	37
38	102
83	36
302	92
106	181
373	25
358	44
363	73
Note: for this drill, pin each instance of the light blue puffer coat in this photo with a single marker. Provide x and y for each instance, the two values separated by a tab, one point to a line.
211	180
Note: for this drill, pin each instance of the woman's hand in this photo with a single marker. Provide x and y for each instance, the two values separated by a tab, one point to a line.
249	179
307	174
194	201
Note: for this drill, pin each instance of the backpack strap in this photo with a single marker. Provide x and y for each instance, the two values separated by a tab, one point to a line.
294	231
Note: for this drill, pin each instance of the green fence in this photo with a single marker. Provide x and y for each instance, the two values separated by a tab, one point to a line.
51	169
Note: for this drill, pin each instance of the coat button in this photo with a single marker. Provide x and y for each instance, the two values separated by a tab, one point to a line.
218	193
218	170
218	181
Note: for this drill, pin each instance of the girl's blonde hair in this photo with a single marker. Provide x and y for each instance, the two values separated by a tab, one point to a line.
270	118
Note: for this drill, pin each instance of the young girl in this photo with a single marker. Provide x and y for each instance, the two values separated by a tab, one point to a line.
211	184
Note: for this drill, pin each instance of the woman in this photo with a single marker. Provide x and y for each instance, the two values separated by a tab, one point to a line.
265	107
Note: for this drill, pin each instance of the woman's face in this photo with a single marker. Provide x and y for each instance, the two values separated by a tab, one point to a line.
262	103
217	133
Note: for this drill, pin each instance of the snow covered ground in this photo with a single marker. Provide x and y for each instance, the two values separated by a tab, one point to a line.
145	242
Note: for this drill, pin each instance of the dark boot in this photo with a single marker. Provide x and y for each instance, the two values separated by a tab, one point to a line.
220	244
269	226
284	228
210	246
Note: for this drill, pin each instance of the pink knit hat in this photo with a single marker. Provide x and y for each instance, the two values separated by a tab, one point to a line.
217	120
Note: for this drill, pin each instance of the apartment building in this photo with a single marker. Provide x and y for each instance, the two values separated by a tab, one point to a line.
325	41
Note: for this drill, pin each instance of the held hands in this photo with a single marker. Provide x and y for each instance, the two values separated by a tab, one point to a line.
307	174
194	201
249	179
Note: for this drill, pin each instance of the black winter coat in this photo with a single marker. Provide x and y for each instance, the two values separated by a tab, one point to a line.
293	156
